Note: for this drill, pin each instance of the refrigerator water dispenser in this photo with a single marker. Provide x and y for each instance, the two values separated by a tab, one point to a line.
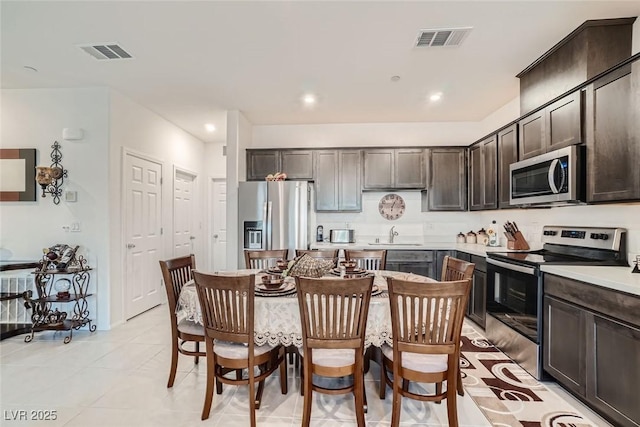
253	234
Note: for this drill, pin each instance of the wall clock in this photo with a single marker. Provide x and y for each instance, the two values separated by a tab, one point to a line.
391	206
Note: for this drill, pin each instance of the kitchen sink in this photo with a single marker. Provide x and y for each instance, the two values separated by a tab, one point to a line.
396	244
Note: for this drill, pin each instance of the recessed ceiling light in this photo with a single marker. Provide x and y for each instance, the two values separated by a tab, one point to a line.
395	78
436	97
309	99
209	127
27	67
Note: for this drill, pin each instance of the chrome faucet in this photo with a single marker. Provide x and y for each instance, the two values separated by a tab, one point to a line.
392	234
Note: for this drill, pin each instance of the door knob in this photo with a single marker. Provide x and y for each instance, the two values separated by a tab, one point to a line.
192	238
130	246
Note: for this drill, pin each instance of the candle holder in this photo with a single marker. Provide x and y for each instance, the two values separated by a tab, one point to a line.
51	178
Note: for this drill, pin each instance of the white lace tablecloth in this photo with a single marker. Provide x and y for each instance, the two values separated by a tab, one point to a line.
277	319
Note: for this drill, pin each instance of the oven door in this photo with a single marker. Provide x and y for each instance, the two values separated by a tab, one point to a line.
514	297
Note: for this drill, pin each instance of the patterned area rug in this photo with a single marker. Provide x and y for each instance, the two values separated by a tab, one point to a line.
506	393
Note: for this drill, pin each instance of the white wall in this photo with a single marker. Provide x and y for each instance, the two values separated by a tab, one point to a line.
531	220
35	119
215	162
505	114
139	130
239	136
365	134
111	123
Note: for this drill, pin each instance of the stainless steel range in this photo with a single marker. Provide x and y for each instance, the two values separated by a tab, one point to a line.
515	286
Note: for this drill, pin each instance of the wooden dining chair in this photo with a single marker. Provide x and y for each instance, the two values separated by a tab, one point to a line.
456	269
264	259
426	324
334	319
175	273
227	304
368	259
330	254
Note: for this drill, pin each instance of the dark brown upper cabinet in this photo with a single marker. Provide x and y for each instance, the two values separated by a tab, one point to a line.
483	174
297	164
394	168
261	163
557	126
507	154
532	131
446	180
613	136
592	48
338	184
564	122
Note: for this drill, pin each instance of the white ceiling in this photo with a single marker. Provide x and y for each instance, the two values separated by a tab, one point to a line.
196	60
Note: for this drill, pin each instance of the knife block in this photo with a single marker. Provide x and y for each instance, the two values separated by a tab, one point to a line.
518	242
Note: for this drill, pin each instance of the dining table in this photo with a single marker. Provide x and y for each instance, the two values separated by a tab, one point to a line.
277	315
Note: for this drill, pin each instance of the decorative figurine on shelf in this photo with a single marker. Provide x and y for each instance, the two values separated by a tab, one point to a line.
278	176
60	257
55	318
636	268
62	287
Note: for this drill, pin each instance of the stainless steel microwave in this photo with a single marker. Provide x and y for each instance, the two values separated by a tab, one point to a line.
552	178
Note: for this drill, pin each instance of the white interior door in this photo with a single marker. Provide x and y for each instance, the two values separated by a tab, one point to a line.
143	229
219	226
183	209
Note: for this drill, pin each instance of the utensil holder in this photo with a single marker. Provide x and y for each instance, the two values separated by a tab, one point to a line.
517	242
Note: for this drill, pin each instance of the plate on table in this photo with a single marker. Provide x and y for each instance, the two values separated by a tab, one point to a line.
287	288
358	272
274	270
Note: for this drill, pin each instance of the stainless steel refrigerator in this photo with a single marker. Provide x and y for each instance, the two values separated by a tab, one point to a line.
273	215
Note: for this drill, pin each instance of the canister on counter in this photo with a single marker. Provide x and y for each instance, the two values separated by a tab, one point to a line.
471	237
461	238
482	237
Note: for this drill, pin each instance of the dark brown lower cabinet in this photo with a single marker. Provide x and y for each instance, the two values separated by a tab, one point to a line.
564	343
477	306
614	363
408	261
592	346
478	298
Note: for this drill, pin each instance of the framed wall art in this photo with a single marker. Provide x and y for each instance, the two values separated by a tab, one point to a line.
17	175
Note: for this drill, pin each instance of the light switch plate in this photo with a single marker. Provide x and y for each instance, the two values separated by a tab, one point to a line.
71	196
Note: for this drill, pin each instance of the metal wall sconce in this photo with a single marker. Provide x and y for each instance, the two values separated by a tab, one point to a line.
51	177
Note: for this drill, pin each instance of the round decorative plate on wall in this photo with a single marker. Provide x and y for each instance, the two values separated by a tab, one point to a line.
391	206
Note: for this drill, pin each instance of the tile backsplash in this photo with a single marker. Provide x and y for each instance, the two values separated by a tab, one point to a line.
441	227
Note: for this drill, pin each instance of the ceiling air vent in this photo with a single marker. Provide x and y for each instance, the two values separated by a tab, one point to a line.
442	37
106	51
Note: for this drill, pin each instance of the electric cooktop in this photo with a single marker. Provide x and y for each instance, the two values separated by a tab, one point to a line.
573	245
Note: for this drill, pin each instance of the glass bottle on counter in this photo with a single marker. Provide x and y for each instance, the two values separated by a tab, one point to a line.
492	233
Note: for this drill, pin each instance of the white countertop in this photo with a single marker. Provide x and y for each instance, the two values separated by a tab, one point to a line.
474	249
617	278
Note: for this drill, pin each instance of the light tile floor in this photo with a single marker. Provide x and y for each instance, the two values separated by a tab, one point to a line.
118	378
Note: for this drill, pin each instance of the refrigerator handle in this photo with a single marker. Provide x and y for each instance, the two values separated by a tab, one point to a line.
263	242
267	225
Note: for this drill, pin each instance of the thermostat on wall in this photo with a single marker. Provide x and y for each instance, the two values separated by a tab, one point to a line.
71	134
